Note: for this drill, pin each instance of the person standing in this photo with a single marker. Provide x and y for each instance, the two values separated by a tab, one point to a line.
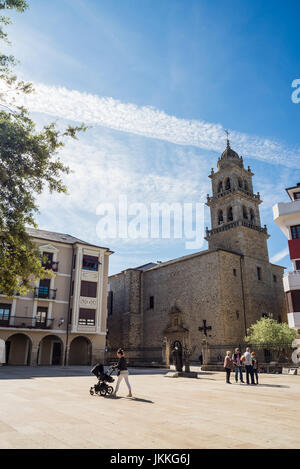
238	365
228	365
2	352
122	372
255	366
248	365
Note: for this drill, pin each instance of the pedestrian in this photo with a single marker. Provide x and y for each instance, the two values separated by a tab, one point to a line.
122	372
228	365
247	359
238	365
255	366
201	359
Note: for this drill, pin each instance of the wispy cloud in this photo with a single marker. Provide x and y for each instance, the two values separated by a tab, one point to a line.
280	255
153	123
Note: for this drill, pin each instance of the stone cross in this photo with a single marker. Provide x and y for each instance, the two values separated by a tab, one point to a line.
205	328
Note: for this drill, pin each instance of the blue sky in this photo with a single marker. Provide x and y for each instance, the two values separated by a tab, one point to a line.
177	73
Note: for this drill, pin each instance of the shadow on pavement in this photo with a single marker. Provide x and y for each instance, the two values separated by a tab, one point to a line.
136	399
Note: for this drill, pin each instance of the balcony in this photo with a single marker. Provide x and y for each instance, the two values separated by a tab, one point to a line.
294	320
286	215
20	322
44	293
51	265
291	281
234	224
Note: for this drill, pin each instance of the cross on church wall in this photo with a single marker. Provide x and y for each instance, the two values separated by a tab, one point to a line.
205	328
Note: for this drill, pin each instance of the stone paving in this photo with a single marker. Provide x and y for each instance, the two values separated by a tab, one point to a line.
52	408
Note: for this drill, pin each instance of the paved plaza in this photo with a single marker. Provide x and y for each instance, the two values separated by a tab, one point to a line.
52	408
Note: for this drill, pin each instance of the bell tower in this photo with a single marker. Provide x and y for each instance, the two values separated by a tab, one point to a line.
234	209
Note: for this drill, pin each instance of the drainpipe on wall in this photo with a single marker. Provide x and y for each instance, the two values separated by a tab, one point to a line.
69	305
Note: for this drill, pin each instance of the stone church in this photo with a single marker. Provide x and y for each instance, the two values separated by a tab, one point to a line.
207	299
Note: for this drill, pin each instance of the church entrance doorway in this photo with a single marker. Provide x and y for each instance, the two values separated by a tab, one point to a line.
176	355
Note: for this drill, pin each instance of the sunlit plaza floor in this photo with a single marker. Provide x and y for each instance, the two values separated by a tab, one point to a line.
52	408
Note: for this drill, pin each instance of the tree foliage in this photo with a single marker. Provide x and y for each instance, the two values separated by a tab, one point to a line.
271	334
28	164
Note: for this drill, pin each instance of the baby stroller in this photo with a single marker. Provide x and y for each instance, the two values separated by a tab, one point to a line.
102	388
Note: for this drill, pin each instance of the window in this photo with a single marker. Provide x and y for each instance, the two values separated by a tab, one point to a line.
240	182
88	289
41	317
70	316
110	300
258	273
295	231
48	259
297	265
4	314
220	187
296	195
246	186
86	317
245	214
234	272
220	217
229	214
252	218
227	184
90	263
44	288
237	315
151	302
274	278
72	288
74	261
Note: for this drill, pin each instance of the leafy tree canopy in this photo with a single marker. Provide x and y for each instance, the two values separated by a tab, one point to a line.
28	164
269	332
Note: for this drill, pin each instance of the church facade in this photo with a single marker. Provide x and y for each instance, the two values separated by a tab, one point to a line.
209	298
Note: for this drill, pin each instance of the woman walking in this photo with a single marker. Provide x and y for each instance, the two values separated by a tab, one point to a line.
228	365
122	372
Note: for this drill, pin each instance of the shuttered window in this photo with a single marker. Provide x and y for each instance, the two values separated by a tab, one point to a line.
86	317
88	289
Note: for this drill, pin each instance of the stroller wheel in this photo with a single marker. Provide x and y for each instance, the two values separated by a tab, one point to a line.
92	392
102	392
110	390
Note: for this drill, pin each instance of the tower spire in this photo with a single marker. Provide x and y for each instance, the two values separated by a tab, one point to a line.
227	133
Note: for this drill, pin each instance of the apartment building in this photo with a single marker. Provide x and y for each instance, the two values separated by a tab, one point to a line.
287	217
62	321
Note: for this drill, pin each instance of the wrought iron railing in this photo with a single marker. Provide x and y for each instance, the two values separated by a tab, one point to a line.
51	265
44	292
27	322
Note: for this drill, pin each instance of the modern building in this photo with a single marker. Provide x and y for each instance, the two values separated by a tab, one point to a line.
210	297
287	217
63	319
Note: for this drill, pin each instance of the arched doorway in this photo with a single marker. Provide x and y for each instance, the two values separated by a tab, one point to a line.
18	349
50	351
80	351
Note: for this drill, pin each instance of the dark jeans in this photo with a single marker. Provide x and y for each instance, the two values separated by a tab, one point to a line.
238	371
249	372
228	371
255	373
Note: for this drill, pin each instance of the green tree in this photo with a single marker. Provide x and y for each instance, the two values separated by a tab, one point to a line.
270	334
28	164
